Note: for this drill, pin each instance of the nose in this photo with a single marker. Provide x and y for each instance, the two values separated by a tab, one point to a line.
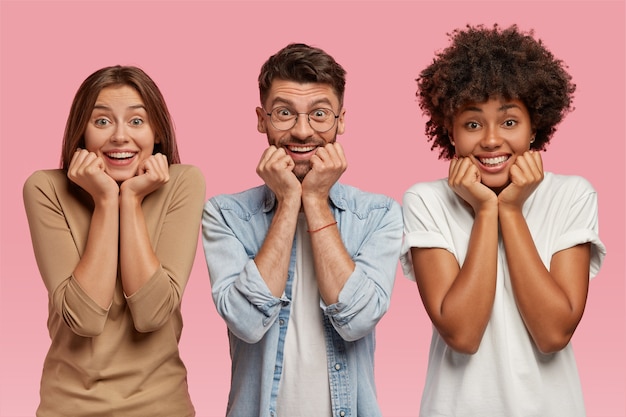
491	139
119	133
302	129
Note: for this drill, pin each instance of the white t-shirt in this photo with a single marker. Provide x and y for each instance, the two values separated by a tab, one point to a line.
507	376
304	385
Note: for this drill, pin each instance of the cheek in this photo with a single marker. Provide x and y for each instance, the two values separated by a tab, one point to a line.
93	139
274	138
462	147
147	140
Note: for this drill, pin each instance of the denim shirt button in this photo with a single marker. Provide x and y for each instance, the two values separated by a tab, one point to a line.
281	322
337	366
342	413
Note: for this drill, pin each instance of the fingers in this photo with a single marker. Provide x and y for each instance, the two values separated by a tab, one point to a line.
272	155
86	169
156	168
330	157
525	174
152	173
84	164
463	172
274	161
276	169
527	169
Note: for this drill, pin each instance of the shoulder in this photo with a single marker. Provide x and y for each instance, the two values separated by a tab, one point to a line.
350	196
45	181
250	201
187	173
565	185
431	191
363	203
186	181
47	176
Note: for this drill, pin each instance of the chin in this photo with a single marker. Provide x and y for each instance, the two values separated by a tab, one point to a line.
496	187
120	177
300	171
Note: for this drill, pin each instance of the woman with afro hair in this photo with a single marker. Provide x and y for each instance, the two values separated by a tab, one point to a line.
502	252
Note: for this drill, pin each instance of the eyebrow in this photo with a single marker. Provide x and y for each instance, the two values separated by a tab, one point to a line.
105	107
502	108
279	100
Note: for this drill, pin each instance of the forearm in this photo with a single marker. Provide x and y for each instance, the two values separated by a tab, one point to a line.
273	257
466	307
550	310
138	262
333	264
96	272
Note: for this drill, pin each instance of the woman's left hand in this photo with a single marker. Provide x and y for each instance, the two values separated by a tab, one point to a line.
526	174
153	172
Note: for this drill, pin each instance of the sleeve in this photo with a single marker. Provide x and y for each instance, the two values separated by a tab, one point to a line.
421	218
176	243
240	294
366	295
57	249
582	226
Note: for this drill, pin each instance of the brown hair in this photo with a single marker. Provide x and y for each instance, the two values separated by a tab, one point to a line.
482	63
85	99
303	64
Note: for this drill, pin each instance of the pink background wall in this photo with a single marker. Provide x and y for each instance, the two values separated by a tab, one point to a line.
205	56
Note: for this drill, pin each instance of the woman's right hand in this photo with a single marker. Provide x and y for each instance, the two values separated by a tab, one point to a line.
464	179
86	169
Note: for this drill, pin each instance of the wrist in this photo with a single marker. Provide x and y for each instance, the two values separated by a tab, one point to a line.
508	210
487	208
128	196
313	202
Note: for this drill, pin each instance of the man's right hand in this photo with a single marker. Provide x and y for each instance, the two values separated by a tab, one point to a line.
276	170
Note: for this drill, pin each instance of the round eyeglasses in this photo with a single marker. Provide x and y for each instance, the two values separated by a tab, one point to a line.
321	120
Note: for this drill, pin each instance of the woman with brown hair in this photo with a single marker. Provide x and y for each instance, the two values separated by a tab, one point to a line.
115	233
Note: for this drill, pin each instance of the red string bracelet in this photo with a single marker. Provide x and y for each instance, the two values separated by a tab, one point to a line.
323	227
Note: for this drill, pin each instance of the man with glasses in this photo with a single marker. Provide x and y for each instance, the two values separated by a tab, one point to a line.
302	268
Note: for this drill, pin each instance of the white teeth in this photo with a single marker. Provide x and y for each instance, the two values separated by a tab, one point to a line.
301	148
494	161
120	155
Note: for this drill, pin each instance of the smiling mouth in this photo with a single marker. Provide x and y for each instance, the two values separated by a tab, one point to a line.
301	149
120	155
494	162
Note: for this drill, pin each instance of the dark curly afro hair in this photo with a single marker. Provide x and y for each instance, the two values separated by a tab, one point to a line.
482	63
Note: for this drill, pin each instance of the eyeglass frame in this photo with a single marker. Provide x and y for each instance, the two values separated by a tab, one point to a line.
308	118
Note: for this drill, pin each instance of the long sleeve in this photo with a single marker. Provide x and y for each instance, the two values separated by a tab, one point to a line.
173	220
59	225
241	296
374	245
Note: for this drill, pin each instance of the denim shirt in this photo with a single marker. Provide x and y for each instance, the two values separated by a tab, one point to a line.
234	228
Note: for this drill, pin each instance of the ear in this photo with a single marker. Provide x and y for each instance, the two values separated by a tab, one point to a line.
261	120
341	126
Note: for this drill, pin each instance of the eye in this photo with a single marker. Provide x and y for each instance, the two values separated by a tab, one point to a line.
283	113
136	121
101	122
472	125
320	114
510	123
